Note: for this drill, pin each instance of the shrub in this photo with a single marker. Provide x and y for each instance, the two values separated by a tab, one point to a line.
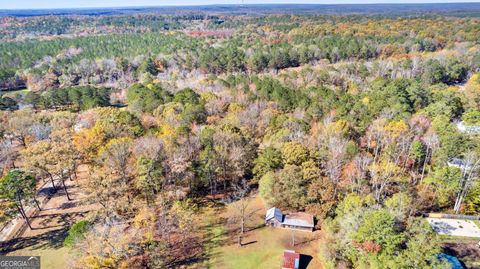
76	232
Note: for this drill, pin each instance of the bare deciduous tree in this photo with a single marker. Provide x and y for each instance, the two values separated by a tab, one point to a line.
431	141
469	176
240	204
8	154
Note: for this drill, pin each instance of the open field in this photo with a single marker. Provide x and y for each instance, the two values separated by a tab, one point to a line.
265	249
262	246
51	257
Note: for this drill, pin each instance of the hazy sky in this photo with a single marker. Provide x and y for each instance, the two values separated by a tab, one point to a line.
26	4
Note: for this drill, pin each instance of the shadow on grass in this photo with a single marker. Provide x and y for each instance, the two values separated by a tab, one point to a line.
63	219
305	261
48	239
68	205
249	243
306	240
51	239
213	236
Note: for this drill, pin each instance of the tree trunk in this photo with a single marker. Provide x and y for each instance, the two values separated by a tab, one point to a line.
211	186
424	164
24	214
38	205
23	141
53	181
458	202
293	238
28	222
65	189
215	186
21	211
243	225
75	170
224	181
240	240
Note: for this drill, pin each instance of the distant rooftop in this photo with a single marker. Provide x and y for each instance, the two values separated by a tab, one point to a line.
459	163
465	128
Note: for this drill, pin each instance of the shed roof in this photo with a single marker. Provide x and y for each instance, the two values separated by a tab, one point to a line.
291	259
299	219
274	213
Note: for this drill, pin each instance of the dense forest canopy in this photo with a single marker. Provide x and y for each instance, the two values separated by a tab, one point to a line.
353	118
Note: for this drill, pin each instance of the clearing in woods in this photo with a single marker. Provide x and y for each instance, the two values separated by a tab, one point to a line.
50	227
262	246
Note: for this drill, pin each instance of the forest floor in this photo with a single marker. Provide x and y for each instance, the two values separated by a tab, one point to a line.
49	228
262	247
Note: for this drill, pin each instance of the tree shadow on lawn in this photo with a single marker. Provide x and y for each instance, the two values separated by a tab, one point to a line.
58	219
249	243
48	239
303	240
214	236
249	229
68	205
52	239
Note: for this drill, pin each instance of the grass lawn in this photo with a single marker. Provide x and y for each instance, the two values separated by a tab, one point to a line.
52	258
265	252
458	239
262	246
213	232
12	94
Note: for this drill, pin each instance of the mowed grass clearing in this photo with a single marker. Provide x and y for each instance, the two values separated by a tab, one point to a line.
262	246
51	258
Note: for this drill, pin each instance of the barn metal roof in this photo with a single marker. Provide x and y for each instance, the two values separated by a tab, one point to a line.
299	219
274	213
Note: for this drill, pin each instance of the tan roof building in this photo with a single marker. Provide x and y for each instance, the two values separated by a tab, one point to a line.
299	220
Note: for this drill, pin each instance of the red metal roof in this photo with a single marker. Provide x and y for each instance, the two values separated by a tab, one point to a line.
291	259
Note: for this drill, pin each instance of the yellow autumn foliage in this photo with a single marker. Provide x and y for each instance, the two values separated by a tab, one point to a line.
396	128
